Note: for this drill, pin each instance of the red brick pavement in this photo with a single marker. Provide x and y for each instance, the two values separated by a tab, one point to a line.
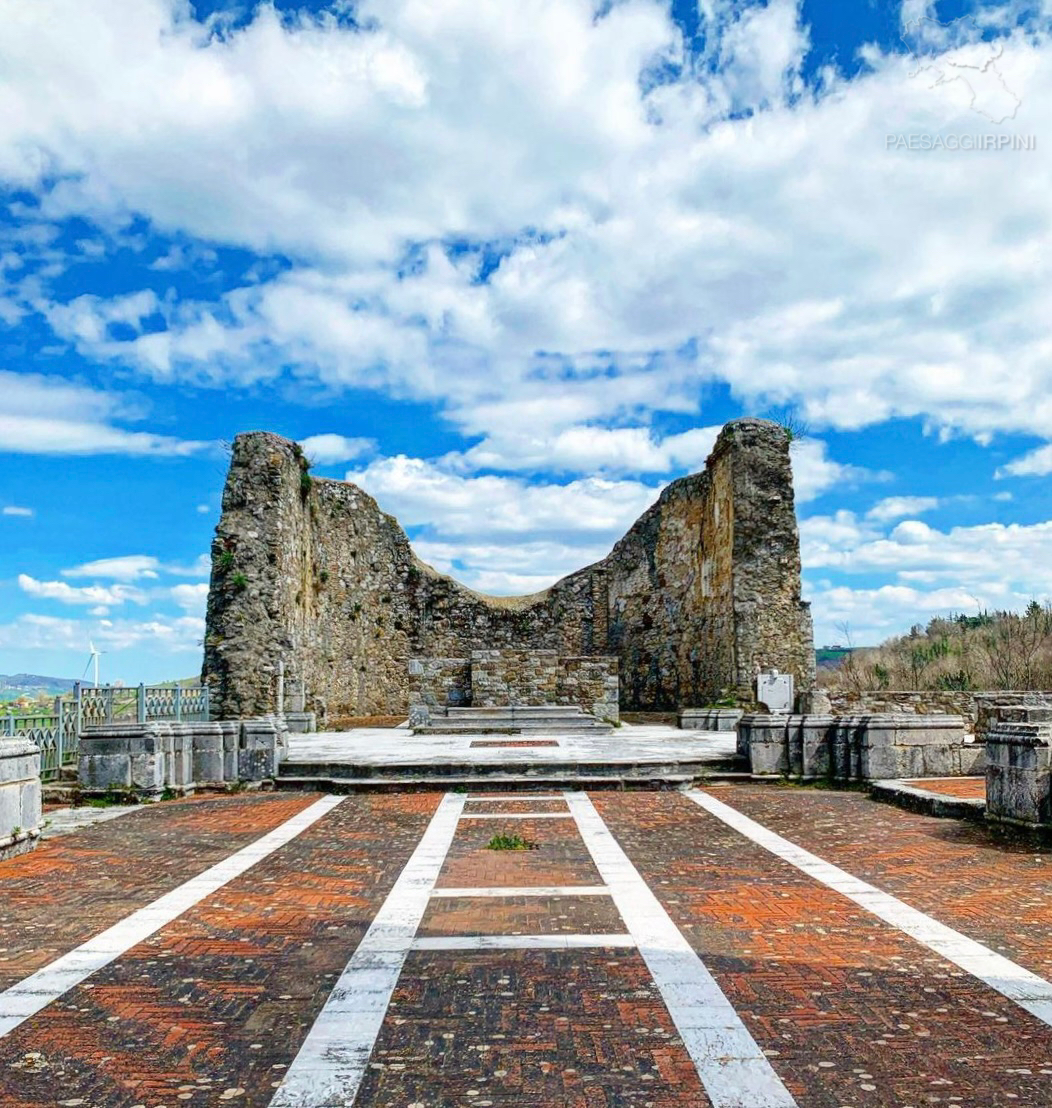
514	742
530	1029
850	1011
963	874
219	1000
561	857
70	888
213	1008
970	788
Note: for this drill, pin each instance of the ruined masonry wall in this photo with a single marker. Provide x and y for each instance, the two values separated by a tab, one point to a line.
702	590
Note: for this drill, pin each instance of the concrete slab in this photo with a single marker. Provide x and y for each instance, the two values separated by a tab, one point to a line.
628	745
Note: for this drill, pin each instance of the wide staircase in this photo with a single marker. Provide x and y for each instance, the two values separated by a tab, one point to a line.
556	719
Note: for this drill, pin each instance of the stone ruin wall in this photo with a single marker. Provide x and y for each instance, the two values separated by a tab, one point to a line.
501	678
702	591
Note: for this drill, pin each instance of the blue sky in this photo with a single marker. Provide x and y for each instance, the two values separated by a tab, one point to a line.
509	267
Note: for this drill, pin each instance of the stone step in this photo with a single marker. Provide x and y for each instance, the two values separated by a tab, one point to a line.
576	726
525	710
409	772
426	782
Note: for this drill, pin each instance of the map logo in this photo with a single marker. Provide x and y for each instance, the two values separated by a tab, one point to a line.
955	53
961	59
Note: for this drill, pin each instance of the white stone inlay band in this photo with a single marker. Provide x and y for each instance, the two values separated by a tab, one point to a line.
1009	979
732	1067
29	996
518	797
518	815
522	942
329	1067
471	891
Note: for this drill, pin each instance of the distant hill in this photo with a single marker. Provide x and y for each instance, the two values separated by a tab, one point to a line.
829	657
32	684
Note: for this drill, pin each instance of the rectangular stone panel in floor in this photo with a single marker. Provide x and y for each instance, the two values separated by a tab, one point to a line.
528	915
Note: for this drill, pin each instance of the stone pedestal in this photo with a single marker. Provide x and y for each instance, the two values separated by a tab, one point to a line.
20	801
1019	768
765	738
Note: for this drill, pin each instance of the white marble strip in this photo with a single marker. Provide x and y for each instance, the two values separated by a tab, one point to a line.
330	1064
522	942
518	815
1009	979
470	891
35	992
732	1067
522	797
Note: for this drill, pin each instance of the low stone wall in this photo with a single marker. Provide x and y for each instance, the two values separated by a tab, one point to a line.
20	797
858	748
978	709
709	719
149	758
504	678
1019	767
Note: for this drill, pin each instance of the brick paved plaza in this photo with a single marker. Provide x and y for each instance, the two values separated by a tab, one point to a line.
651	949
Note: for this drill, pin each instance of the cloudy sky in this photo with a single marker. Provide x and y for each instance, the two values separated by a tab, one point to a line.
509	264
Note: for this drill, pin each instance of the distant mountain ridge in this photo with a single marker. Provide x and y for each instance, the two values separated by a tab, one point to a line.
21	683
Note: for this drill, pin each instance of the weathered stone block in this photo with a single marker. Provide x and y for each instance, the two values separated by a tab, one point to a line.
1019	772
20	798
207	753
709	719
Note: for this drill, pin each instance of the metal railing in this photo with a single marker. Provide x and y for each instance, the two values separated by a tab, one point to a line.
54	732
58	732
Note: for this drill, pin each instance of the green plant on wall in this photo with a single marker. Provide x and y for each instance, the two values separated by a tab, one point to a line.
226	560
239	581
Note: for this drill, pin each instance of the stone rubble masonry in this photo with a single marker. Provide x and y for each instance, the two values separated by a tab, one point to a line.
979	709
149	758
701	593
858	748
1019	767
501	678
20	796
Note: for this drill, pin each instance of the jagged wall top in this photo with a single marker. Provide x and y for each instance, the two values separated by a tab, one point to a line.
703	589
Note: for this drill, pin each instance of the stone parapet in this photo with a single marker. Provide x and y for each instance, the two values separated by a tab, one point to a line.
858	748
978	709
1019	767
150	758
20	796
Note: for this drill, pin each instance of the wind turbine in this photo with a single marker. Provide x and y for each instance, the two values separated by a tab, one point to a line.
93	663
